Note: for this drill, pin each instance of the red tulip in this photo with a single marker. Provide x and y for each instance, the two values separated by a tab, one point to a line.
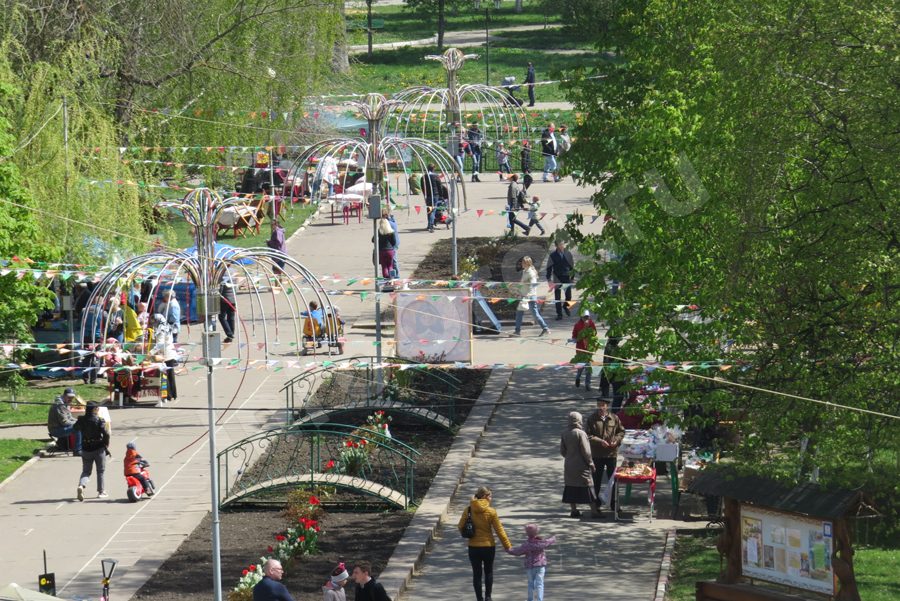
313	500
244	573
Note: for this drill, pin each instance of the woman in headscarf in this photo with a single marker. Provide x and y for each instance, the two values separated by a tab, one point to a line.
333	590
578	467
482	547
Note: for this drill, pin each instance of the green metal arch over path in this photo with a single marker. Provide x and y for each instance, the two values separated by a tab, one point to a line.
337	388
266	466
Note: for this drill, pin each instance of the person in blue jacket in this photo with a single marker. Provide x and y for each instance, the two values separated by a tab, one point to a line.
270	587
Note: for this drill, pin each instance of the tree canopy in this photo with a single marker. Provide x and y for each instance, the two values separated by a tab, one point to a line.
747	155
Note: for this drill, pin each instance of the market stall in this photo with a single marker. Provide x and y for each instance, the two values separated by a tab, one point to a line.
635	474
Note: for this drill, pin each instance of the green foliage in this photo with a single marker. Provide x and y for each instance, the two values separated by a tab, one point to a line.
37	414
747	154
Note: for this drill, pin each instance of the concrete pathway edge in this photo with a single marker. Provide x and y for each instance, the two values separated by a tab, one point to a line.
665	566
16	473
433	511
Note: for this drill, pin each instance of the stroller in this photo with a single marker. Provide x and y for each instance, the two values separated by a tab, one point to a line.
441	213
331	334
510	86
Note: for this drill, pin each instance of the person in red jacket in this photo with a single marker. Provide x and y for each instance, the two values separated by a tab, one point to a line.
134	463
584	333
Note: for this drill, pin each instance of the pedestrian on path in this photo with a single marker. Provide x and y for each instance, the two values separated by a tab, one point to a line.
227	309
502	156
578	467
367	588
559	267
605	433
277	242
431	188
333	590
529	83
584	333
515	196
387	245
482	548
535	560
529	297
534	219
94	448
549	151
525	159
165	348
270	587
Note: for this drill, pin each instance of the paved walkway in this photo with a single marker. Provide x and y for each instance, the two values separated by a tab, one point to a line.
518	457
452	39
37	510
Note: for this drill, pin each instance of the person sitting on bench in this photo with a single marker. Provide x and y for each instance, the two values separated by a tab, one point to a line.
61	422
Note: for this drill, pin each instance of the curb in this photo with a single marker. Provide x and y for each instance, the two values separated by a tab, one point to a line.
665	566
433	512
16	473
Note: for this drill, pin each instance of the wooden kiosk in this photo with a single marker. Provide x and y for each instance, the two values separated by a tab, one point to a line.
797	538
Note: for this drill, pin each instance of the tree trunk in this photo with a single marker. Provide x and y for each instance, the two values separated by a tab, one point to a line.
441	25
369	25
340	59
518	6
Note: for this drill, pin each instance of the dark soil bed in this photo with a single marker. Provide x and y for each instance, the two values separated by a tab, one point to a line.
487	259
348	537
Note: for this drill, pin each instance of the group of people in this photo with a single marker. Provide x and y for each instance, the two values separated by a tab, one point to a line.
589	450
270	588
560	267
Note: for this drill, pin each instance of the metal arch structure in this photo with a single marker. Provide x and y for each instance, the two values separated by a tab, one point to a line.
261	467
255	266
206	268
489	106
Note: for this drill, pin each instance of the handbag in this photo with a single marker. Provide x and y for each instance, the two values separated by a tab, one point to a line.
468	529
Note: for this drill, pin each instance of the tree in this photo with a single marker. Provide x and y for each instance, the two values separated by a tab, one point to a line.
747	157
436	9
21	299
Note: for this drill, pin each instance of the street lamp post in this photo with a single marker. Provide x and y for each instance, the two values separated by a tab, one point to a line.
109	567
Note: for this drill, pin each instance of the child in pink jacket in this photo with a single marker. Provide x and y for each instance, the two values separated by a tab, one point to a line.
535	560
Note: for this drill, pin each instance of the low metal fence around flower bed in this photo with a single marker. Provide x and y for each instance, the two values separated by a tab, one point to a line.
364	461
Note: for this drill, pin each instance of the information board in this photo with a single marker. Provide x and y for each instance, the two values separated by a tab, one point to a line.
787	549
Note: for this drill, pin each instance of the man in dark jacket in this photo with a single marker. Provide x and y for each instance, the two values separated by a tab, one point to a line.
270	587
94	444
529	83
227	309
605	433
431	188
560	265
367	589
61	422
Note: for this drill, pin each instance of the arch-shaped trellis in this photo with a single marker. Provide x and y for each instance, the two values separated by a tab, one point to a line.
337	388
266	466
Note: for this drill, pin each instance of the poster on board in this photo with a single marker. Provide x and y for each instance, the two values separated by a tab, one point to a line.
434	326
787	549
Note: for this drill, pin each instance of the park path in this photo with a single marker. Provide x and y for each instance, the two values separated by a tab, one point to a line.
452	39
37	508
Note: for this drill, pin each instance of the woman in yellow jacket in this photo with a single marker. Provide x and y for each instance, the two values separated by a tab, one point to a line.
481	546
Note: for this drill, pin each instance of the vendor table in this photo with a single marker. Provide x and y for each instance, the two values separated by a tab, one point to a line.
621	477
348	204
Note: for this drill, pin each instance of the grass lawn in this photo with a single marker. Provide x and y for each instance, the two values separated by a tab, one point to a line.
179	232
42	393
390	71
13	453
401	24
696	559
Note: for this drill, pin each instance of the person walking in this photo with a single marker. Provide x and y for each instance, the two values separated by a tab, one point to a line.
431	188
525	164
61	422
227	308
502	156
270	587
94	448
171	310
387	244
584	333
578	466
475	138
278	243
333	589
165	349
559	268
367	588
605	434
529	82
529	298
482	548
535	560
514	198
549	151
534	219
